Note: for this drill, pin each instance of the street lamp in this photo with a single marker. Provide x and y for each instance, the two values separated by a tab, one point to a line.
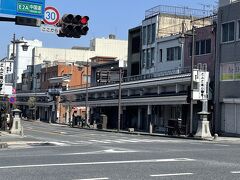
86	65
86	100
181	41
24	48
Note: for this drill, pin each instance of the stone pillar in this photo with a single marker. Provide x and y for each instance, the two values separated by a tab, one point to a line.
203	130
17	125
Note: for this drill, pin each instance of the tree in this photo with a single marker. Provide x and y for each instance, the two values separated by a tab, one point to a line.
32	106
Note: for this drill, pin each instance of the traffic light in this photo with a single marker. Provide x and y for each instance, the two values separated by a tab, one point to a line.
188	94
73	26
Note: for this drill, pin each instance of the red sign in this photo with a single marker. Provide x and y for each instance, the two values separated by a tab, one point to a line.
51	15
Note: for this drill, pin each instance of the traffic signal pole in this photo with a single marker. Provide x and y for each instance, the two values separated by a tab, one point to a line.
22	21
7	19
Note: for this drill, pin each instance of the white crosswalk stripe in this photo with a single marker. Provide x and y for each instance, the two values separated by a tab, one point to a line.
113	141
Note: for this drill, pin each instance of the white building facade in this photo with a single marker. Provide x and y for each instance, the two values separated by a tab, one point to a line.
98	47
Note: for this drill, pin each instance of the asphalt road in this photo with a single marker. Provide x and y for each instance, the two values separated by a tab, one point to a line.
62	153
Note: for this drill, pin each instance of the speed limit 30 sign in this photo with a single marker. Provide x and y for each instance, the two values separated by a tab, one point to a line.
51	15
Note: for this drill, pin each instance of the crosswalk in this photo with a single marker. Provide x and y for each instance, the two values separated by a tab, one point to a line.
112	141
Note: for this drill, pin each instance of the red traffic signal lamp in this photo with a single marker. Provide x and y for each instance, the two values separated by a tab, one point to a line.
73	26
84	20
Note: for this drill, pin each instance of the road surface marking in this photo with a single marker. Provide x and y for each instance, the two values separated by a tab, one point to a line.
99	152
224	145
100	163
176	174
235	172
93	178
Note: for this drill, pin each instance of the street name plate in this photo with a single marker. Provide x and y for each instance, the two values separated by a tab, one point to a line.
29	8
26	8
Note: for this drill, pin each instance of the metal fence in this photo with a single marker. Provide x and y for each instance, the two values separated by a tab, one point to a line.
175	10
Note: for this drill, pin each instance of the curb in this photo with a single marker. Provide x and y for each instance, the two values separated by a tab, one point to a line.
148	134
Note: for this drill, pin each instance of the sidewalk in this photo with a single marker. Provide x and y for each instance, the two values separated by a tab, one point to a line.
217	139
7	140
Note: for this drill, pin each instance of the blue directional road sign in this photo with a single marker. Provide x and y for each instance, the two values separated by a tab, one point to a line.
27	8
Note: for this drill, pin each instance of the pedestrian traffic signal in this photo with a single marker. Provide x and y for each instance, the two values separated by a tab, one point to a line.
73	26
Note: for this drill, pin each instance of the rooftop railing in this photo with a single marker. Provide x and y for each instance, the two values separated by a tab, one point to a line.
166	73
175	10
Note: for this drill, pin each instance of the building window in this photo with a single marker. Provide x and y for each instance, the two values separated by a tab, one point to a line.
144	58
208	46
144	35
190	49
160	55
238	31
230	71
135	44
173	53
153	32
149	32
201	47
85	79
152	56
148	58
228	32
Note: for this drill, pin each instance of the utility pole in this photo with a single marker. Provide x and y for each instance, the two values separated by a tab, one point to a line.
13	57
86	102
119	98
192	67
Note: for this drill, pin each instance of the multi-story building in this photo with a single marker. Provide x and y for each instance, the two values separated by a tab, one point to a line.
227	97
52	80
134	51
157	95
161	22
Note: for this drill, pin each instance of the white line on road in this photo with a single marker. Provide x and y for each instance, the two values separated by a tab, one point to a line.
224	145
93	178
176	174
100	152
235	172
100	163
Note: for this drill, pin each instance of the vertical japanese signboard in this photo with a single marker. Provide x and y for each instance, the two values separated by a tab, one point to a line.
1	76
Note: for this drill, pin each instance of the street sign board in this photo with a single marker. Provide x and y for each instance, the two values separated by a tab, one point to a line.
49	29
51	15
12	100
26	8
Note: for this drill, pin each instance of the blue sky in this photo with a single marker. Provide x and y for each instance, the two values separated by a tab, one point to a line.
106	17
